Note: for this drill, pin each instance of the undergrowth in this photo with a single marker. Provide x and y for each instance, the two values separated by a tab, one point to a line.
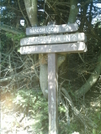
33	104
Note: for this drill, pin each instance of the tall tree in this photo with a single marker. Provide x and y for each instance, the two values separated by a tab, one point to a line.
31	8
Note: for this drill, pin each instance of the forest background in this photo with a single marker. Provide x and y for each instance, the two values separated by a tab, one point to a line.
21	76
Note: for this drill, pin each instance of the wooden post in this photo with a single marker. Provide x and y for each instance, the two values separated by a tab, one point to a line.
52	93
0	57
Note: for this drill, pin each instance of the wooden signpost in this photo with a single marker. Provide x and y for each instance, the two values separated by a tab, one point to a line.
53	44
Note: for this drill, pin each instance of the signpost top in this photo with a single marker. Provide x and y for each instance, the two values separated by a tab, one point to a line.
50	29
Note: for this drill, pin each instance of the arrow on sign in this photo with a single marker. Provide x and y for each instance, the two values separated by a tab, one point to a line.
74	46
50	39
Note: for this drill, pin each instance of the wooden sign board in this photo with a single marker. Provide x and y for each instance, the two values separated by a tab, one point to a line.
54	48
50	39
52	29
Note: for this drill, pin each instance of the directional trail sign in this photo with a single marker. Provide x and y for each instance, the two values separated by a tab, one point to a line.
51	29
66	42
54	48
50	39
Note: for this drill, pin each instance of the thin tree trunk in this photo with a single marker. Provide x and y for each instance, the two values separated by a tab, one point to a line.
31	9
95	75
44	72
73	11
91	81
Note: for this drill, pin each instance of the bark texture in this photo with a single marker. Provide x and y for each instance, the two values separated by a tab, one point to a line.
73	11
31	9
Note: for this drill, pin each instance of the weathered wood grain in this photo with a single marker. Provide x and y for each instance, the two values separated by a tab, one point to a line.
50	39
52	94
55	48
52	29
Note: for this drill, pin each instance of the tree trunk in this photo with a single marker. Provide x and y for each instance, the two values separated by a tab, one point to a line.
61	58
91	81
95	75
31	9
73	11
44	72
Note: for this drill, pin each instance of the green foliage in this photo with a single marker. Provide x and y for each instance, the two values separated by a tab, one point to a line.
97	120
36	106
67	128
15	37
62	109
34	103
